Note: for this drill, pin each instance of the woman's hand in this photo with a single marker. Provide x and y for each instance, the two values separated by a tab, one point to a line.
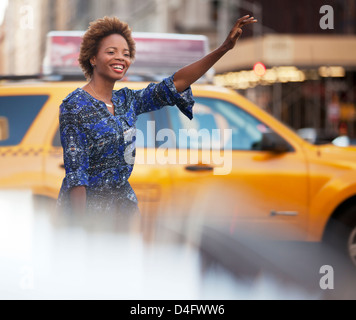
184	77
236	31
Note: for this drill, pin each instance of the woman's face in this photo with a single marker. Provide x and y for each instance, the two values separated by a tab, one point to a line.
113	58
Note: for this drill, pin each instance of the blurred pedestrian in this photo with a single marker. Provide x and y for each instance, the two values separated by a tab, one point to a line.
97	123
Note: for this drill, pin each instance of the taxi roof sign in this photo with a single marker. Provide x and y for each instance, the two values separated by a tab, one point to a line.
157	54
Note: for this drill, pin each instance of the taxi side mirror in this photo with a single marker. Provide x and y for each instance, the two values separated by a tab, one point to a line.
4	129
271	141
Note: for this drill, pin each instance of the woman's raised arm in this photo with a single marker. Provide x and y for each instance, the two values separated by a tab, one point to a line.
184	77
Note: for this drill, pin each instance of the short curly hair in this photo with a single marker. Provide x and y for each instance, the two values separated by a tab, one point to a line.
98	30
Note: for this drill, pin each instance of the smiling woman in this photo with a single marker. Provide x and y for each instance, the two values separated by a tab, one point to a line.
96	122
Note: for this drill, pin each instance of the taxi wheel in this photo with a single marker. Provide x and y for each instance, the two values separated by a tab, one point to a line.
352	245
341	233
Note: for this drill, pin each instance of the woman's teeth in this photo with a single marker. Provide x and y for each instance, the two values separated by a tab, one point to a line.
118	67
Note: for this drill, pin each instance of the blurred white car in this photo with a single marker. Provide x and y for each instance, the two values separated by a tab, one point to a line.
318	137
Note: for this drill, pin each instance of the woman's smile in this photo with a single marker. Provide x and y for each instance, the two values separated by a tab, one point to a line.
119	68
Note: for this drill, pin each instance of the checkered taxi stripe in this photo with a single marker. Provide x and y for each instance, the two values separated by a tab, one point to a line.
20	152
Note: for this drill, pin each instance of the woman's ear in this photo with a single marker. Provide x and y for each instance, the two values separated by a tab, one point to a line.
93	61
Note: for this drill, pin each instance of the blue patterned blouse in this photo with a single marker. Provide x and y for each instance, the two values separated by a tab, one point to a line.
96	143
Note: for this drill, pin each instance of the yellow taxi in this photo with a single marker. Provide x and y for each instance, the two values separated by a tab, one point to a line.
232	161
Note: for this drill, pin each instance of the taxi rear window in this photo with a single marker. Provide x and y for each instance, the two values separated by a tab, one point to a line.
20	112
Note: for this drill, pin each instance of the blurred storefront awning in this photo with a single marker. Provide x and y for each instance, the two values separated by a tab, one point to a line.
301	51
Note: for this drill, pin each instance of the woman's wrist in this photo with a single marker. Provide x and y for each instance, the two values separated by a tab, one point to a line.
78	199
224	48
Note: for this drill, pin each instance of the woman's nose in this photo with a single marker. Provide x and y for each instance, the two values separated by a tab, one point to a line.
119	56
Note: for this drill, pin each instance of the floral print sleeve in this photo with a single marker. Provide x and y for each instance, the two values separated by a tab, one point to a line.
156	96
75	146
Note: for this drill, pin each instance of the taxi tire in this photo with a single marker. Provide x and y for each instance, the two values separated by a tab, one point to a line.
341	233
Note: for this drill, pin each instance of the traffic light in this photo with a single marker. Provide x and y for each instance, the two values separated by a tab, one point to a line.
259	69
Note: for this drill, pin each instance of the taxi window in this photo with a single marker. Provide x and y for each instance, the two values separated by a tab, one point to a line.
217	124
20	112
57	139
145	131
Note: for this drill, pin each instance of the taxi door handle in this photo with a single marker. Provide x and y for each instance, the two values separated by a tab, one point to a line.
61	165
199	167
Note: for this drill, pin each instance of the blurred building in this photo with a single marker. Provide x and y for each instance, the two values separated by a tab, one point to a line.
25	27
307	73
21	44
26	23
309	79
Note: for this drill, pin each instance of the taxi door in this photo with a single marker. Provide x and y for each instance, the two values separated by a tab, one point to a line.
224	175
150	179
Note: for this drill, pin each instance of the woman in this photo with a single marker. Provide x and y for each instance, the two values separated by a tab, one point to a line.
95	120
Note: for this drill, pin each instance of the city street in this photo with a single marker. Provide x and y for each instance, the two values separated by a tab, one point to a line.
47	257
282	270
177	150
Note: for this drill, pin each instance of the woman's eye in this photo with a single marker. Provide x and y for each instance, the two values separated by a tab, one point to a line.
111	52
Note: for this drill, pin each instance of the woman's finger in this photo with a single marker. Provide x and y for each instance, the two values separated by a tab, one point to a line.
239	21
243	18
244	21
248	21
